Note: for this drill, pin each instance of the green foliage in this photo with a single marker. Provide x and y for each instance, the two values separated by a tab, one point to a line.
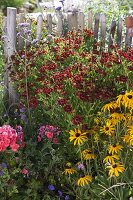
11	3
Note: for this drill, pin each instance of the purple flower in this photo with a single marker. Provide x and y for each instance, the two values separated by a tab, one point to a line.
51	187
4	165
81	166
1	173
66	197
23	117
34	41
58	8
23	24
22	110
59	193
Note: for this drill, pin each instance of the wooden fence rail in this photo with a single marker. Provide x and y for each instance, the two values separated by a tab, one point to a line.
74	20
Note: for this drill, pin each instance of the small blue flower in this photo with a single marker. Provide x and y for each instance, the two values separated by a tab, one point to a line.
4	165
58	8
51	187
1	173
66	197
59	193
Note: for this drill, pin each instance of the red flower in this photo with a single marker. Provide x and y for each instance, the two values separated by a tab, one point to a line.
62	102
68	108
55	140
33	103
77	120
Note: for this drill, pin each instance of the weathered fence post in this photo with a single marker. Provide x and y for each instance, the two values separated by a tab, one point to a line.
96	29
59	23
28	36
81	21
128	38
21	32
90	20
49	23
112	33
11	47
73	21
103	30
39	27
119	32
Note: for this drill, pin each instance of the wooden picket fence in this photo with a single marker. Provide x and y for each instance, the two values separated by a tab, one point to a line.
117	32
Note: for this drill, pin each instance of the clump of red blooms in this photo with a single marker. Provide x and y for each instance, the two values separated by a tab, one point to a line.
50	132
9	137
92	74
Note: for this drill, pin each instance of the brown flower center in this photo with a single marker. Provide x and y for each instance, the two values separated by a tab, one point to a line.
130	96
114	166
107	128
114	145
77	134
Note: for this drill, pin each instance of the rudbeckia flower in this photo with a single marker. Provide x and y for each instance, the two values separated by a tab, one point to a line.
108	128
115	169
87	154
126	99
130	130
118	116
110	158
114	148
69	171
126	138
110	106
78	137
84	180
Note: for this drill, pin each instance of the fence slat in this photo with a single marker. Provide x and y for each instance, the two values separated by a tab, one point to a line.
11	47
90	20
81	21
28	36
119	32
20	30
112	33
39	27
73	21
103	30
128	38
59	23
5	36
96	29
49	23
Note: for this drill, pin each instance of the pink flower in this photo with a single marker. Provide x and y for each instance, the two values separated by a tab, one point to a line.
49	135
55	140
24	171
14	147
38	138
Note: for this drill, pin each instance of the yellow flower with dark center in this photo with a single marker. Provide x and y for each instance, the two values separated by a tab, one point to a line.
110	106
118	116
114	148
130	130
115	169
128	119
108	129
78	137
110	158
129	99
85	180
69	171
131	140
87	154
126	99
126	138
